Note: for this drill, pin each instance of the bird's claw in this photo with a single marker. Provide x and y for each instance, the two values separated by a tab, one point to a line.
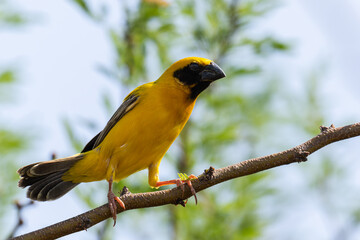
184	178
112	204
180	183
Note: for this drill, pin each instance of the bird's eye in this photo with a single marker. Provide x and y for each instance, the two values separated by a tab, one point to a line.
194	67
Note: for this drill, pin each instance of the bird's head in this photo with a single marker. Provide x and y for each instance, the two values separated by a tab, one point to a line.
194	74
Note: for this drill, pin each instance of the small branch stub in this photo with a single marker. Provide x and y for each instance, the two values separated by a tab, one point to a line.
324	129
125	191
85	223
209	173
301	156
180	202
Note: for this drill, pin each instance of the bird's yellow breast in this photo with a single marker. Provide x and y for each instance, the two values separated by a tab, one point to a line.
144	134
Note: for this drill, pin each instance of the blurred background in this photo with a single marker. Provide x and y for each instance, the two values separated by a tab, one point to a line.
291	66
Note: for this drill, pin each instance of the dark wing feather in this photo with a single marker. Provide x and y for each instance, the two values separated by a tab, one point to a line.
128	104
90	145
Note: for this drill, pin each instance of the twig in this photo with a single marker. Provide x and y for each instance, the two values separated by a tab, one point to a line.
20	221
209	178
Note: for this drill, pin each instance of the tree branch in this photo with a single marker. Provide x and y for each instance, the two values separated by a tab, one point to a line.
209	178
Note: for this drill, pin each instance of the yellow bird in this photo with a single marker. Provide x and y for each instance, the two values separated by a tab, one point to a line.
136	137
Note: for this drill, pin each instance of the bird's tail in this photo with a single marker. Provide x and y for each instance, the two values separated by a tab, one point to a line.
45	178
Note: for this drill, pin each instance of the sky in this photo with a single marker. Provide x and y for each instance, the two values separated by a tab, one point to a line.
57	55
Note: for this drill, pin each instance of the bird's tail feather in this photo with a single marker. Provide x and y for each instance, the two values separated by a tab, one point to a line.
45	178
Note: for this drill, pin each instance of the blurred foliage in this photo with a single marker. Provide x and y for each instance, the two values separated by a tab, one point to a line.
7	78
13	142
231	119
9	17
74	140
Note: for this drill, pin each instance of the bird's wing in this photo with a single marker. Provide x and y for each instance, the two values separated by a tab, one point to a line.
129	103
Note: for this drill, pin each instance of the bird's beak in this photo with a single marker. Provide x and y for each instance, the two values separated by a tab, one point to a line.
212	72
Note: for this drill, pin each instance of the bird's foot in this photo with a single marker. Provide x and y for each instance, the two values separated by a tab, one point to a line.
184	178
112	204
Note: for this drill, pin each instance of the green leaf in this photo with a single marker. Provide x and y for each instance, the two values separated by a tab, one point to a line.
11	142
7	76
84	6
74	140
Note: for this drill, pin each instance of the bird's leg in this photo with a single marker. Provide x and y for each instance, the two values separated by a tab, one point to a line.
111	199
180	182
